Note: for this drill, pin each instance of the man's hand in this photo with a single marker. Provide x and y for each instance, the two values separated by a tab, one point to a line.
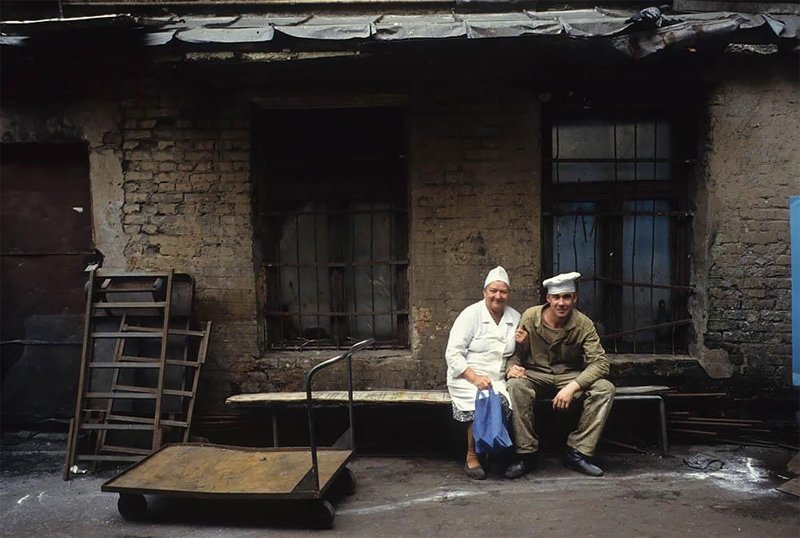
515	371
564	398
521	338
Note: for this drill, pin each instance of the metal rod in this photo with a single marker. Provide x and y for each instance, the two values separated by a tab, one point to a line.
312	438
644	284
648	328
372	266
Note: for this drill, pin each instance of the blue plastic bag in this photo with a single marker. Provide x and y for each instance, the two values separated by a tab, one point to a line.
488	425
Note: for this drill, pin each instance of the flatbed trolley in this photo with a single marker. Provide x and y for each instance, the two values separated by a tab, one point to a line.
210	471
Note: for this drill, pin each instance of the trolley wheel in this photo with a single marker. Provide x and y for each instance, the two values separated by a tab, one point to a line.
323	514
345	483
132	506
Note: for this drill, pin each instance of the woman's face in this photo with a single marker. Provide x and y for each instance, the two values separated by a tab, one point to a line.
496	296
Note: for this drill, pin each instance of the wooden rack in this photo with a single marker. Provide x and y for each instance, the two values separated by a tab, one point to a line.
140	367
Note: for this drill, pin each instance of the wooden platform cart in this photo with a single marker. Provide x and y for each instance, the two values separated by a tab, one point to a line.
210	471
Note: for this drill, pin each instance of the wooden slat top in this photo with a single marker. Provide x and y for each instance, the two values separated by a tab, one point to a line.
360	396
201	469
383	396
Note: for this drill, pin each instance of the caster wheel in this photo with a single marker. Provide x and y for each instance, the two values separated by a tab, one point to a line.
132	507
323	514
345	483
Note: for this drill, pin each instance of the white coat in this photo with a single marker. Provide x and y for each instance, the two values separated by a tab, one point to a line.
477	342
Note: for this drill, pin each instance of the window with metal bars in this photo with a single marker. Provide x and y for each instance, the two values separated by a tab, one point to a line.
333	226
616	210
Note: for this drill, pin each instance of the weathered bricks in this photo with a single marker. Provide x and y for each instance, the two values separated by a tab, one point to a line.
752	169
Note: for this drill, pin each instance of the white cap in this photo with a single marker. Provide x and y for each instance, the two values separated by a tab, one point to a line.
495	275
563	283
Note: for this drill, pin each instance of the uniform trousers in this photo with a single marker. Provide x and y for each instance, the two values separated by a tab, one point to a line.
597	400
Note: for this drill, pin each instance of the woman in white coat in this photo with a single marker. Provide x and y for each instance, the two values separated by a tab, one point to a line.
481	339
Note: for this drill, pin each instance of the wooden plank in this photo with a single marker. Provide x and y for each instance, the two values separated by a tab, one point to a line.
708	423
792	487
126	335
218	470
794	464
696	394
149	364
136	304
107	426
433	397
643	389
695	432
120	395
361	396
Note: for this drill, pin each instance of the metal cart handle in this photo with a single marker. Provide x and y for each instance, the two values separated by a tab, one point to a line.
312	440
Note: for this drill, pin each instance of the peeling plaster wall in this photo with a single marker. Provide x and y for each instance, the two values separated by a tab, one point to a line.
752	165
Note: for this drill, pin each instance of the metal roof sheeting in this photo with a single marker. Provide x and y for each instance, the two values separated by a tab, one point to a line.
635	38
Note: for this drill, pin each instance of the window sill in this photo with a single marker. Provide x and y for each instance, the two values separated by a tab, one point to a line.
286	358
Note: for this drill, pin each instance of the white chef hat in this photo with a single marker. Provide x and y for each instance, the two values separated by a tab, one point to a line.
497	274
563	283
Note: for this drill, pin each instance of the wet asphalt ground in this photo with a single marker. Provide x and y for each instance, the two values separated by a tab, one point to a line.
707	491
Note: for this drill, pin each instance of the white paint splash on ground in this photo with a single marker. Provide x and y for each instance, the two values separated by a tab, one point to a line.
738	475
436	497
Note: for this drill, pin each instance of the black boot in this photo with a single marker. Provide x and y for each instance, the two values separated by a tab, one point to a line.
578	462
522	465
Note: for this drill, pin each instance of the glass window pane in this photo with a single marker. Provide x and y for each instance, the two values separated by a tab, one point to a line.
646	259
576	248
626	148
583	139
567	172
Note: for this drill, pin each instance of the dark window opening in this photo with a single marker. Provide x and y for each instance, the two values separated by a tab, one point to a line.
616	211
333	225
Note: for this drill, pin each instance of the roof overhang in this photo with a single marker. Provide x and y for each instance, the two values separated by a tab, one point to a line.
632	37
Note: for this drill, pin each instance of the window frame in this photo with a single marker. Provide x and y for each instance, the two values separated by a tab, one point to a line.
610	197
324	198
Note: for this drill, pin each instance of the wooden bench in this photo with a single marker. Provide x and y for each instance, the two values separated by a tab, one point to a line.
424	397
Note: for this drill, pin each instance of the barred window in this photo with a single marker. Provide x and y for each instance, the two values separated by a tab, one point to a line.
333	222
616	211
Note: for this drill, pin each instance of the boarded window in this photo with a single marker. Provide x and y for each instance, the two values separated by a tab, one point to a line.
333	225
616	211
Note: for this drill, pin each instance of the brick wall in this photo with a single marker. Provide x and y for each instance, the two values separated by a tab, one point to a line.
187	205
475	204
171	180
752	169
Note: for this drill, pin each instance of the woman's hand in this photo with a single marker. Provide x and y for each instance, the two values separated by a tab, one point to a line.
480	381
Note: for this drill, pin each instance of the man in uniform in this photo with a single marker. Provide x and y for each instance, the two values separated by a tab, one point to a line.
559	356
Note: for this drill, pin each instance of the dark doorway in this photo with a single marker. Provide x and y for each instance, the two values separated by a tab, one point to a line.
45	242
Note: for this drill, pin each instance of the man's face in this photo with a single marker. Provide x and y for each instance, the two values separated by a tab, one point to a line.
562	304
496	296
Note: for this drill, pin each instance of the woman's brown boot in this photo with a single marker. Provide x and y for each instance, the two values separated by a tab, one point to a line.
473	465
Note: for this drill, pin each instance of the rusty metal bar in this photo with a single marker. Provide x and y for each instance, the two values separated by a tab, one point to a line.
642	284
648	328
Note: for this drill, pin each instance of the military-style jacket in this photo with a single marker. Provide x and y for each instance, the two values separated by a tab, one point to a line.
577	350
